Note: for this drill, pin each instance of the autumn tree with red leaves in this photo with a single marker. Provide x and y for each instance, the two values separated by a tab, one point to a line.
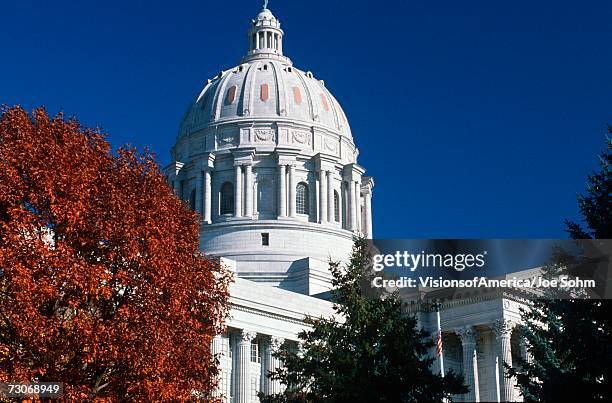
102	286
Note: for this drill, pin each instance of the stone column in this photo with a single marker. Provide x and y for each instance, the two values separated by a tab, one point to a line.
322	197
503	330
177	188
238	192
368	215
525	354
198	193
216	351
470	363
330	198
352	203
270	386
292	190
282	191
243	366
358	206
207	197
248	190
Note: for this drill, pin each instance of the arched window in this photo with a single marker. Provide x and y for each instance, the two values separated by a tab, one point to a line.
192	201
301	198
336	206
226	198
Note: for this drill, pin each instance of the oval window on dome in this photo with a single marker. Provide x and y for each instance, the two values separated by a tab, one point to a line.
264	93
231	95
324	102
297	95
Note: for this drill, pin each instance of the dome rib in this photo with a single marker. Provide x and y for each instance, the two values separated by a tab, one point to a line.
332	104
218	98
311	105
249	80
206	87
281	91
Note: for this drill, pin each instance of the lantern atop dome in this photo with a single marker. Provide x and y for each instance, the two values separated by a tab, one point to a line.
265	37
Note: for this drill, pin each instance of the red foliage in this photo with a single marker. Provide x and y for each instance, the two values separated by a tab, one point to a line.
102	286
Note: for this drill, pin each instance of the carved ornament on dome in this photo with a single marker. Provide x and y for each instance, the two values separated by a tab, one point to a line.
227	138
264	135
301	137
330	145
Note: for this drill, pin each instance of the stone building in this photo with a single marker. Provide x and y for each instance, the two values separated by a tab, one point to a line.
266	155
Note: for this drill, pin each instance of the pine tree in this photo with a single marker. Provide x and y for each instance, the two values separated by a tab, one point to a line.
376	354
596	205
570	341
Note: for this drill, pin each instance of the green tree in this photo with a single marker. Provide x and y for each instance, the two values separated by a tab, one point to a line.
570	341
376	354
596	204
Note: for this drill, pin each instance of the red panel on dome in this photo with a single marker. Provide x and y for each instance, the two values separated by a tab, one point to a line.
231	95
297	95
324	101
264	92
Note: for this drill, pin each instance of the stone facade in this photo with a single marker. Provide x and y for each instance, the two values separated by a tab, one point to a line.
266	156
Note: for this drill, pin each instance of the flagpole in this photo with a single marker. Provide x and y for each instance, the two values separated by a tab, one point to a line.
439	340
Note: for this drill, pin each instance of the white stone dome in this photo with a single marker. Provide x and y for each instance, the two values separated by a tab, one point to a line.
265	155
265	86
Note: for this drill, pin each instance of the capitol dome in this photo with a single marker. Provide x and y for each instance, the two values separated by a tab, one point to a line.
265	85
265	154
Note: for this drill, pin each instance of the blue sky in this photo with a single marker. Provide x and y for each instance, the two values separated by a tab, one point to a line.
478	119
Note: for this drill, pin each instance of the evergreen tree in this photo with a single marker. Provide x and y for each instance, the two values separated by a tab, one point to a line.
570	341
376	354
596	205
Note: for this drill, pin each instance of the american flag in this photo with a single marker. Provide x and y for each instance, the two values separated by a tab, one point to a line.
439	343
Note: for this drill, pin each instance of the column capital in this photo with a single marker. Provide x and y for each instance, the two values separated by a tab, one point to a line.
503	327
467	334
276	342
208	162
174	168
243	163
367	184
287	163
246	336
243	156
353	172
324	162
286	155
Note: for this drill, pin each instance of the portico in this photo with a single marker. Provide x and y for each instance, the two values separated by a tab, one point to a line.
479	335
